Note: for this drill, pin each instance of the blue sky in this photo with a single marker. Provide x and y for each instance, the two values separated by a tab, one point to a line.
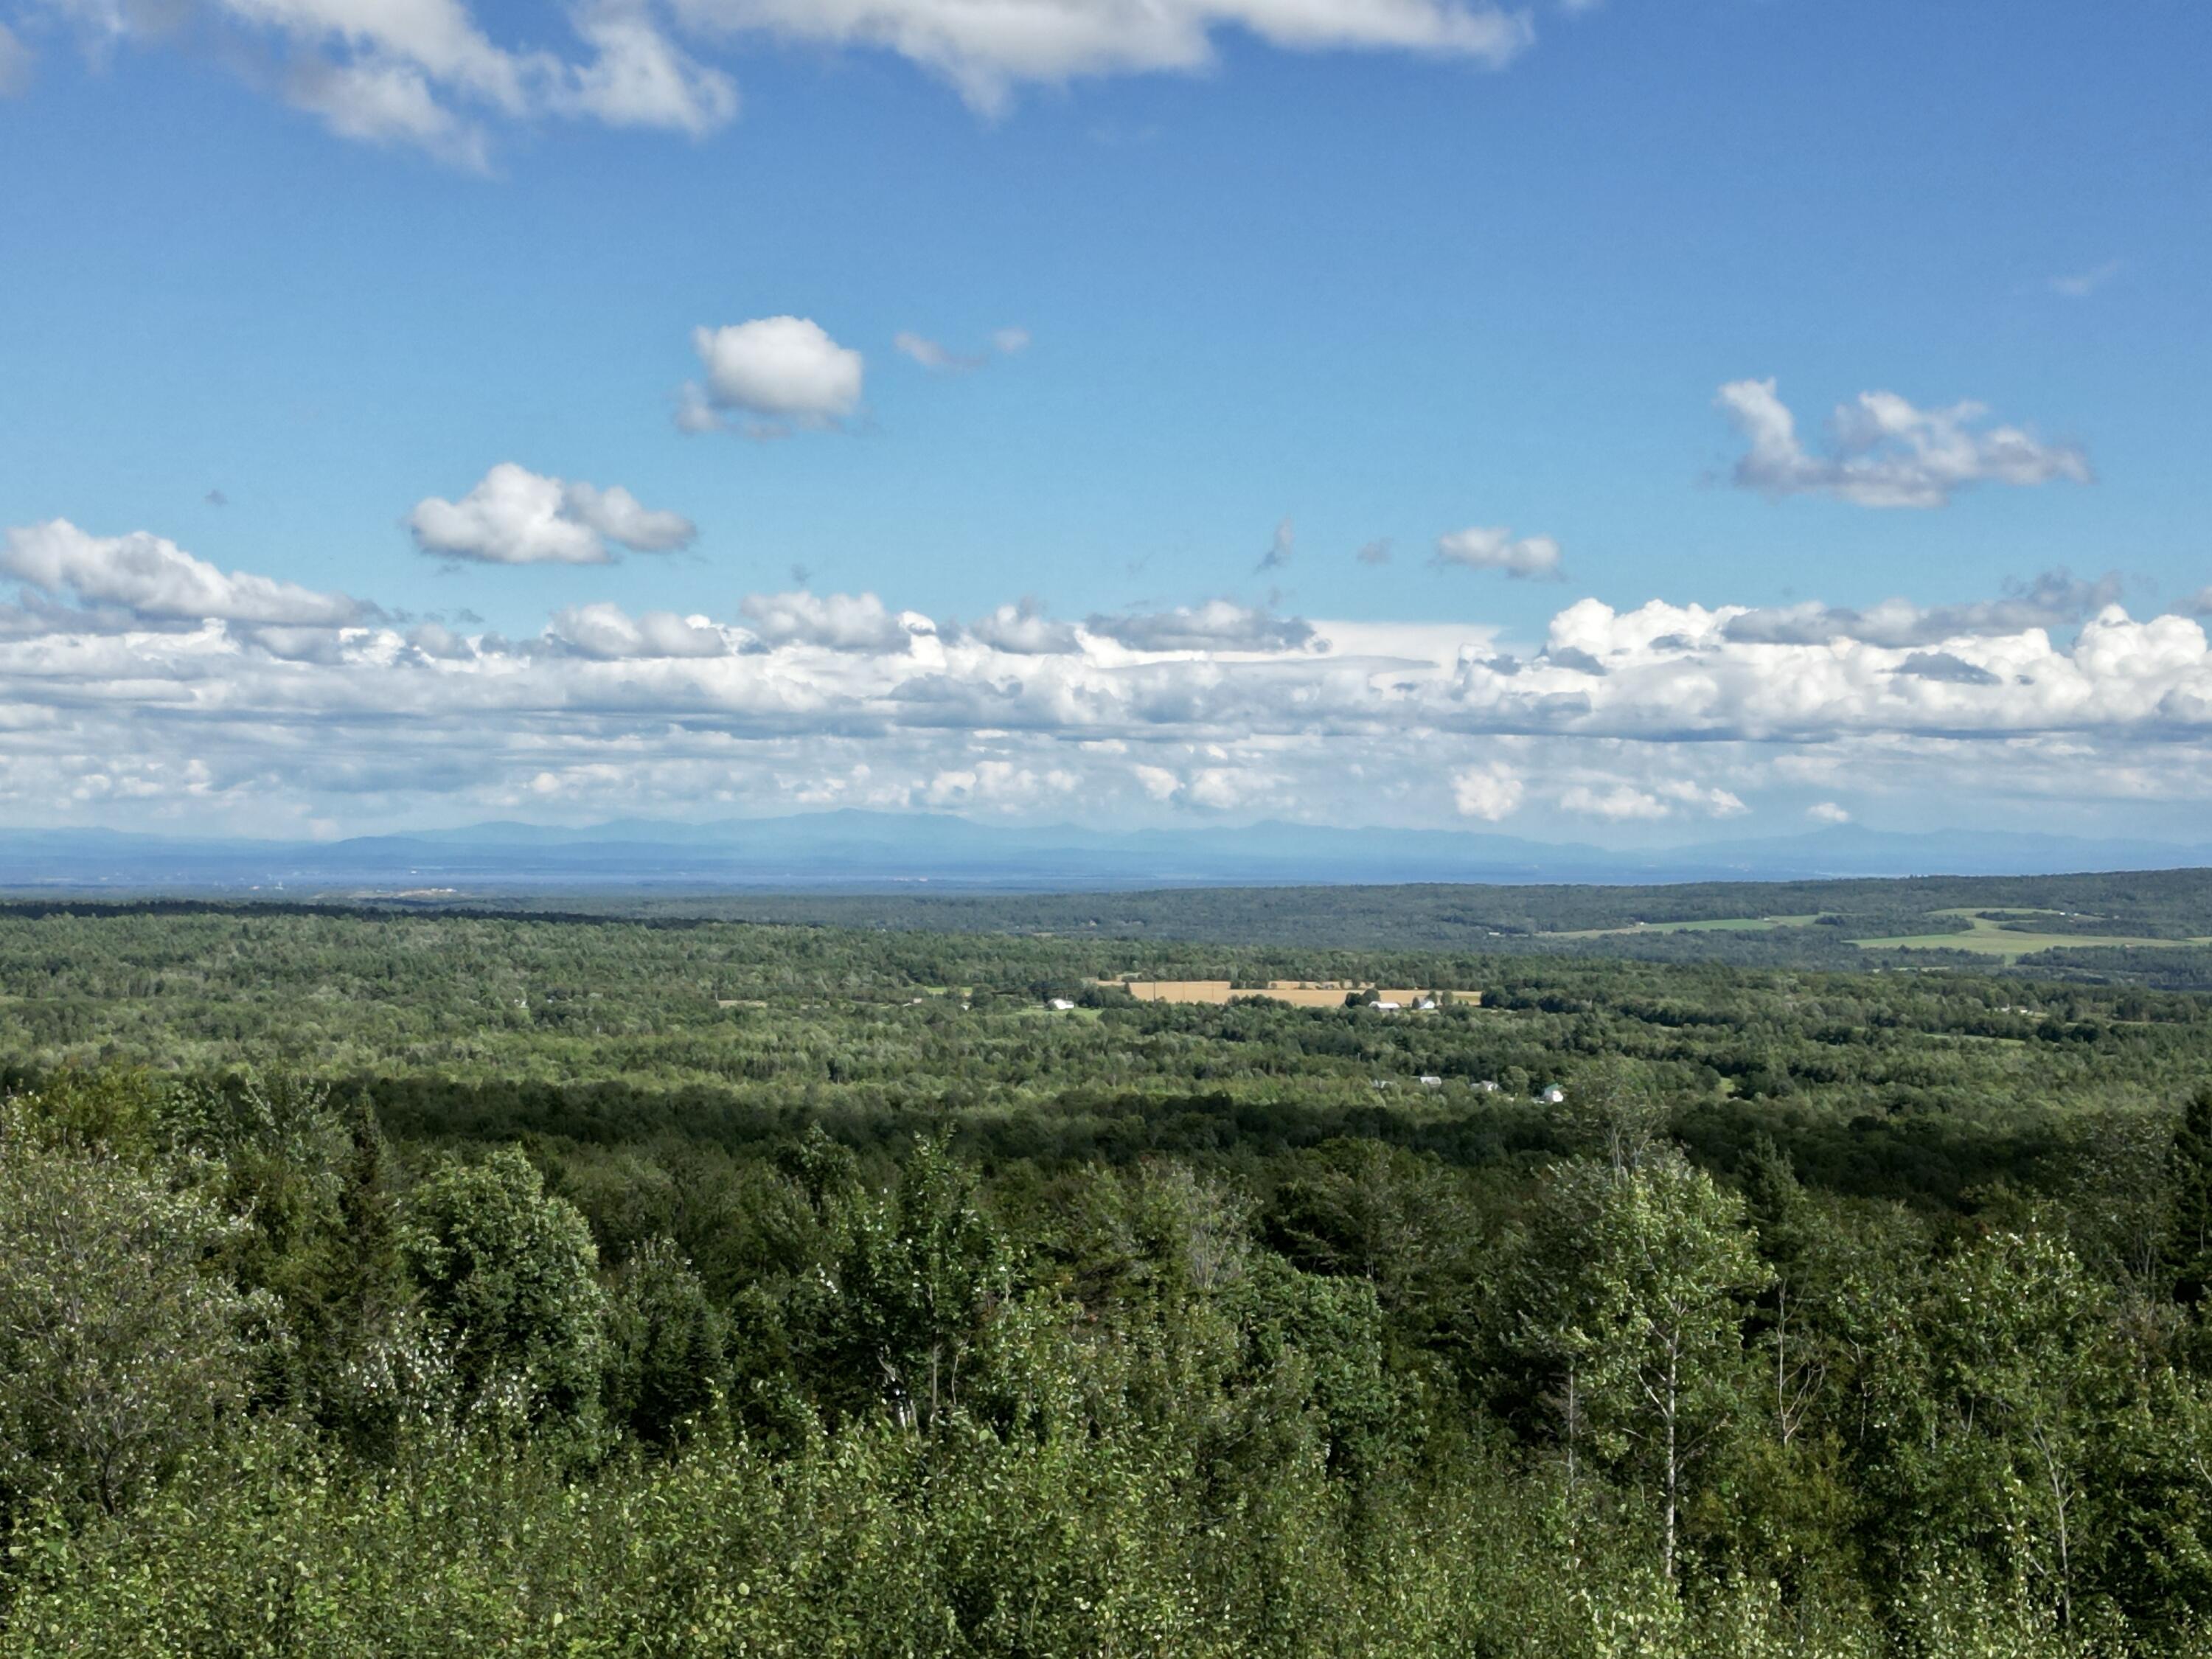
331	260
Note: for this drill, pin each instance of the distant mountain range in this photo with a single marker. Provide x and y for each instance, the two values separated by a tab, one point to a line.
864	852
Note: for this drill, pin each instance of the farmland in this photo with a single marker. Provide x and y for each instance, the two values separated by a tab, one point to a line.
1296	993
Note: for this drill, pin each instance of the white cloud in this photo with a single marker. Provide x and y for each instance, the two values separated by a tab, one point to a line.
943	360
1621	803
1375	552
1527	558
770	375
425	73
1705	799
833	621
1887	452
1625	803
640	78
1157	781
516	516
14	63
995	783
2054	599
436	640
606	631
1216	625
153	579
930	354
114	685
1828	811
2082	284
986	50
1280	546
1488	793
2198	603
1024	629
1222	788
386	103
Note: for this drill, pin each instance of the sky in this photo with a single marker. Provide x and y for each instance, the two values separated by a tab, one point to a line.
1641	421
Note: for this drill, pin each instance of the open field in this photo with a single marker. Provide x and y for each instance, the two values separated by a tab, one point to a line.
1300	994
1987	935
1721	925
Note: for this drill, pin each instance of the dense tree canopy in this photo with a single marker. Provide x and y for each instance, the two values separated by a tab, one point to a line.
439	1284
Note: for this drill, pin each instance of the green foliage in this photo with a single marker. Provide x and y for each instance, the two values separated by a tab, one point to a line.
506	1275
604	1287
666	1347
120	1351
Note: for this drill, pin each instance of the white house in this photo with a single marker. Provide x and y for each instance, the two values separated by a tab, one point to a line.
1431	1080
1062	1003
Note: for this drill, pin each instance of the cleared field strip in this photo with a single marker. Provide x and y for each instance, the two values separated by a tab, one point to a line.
1300	994
1722	925
1986	937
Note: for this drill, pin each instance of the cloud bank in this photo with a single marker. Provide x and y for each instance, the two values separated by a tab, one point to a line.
130	668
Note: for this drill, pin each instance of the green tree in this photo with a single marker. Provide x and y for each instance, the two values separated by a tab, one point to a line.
2189	1247
506	1273
664	1345
119	1348
1634	1287
921	1272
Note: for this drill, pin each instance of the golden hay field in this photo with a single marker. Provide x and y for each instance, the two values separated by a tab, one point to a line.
1300	994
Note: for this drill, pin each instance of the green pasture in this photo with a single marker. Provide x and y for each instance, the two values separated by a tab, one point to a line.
1987	935
1722	925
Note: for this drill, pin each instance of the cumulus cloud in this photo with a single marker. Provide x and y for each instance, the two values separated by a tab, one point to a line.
985	51
1828	811
1886	453
1617	804
606	631
1946	665
1526	558
126	664
1623	803
997	783
2056	598
1489	793
833	621
1024	629
1216	625
436	640
768	376
153	579
516	516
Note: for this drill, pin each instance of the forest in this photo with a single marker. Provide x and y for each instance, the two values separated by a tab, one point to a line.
799	1281
2151	928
